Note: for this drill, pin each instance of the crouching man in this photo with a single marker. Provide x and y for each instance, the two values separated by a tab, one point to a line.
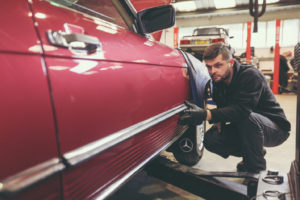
247	116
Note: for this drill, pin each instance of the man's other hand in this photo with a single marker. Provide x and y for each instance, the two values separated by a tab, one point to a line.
194	115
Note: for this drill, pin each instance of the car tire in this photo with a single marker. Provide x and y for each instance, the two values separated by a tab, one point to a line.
188	149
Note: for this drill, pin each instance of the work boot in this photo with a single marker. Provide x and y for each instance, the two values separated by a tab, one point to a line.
242	166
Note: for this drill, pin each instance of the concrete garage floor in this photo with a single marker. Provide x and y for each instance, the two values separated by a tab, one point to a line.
143	187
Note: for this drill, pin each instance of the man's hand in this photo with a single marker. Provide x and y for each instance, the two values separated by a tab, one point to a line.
194	115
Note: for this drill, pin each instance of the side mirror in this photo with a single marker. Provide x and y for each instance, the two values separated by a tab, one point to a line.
157	18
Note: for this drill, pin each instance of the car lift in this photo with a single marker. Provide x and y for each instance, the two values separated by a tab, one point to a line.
268	185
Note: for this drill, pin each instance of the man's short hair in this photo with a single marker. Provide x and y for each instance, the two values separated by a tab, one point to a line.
216	49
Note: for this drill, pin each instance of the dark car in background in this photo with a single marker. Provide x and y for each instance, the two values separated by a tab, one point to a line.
88	98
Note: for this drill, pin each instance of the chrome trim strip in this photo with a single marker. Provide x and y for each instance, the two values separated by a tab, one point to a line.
122	180
87	151
30	176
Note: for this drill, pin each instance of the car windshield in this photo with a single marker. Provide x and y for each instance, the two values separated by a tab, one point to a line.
207	31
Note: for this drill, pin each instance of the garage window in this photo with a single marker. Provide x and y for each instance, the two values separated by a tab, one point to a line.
238	38
258	39
290	32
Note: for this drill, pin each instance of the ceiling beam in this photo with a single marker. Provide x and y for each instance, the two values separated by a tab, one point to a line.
232	17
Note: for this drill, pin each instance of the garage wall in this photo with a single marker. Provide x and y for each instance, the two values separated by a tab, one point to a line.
231	16
262	40
167	37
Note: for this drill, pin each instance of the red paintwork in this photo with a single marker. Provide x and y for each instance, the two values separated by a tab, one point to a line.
109	97
27	129
27	135
125	45
131	79
15	21
83	182
47	190
142	4
88	103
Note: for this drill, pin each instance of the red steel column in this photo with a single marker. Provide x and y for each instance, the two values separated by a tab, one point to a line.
175	38
276	59
248	48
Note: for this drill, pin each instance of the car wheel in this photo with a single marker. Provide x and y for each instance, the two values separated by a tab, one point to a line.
188	149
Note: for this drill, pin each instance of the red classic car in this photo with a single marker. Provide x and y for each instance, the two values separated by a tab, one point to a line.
87	96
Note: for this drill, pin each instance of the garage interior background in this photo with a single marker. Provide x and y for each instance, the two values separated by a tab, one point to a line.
234	15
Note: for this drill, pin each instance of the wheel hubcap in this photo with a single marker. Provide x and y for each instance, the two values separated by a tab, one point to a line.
186	145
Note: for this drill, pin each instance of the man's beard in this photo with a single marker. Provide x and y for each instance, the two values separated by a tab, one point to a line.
225	77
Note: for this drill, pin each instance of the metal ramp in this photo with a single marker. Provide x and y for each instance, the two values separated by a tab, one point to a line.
209	185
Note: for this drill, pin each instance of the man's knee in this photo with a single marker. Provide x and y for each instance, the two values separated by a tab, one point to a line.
251	120
250	130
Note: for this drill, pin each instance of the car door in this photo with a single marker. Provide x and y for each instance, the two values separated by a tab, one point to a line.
28	148
117	79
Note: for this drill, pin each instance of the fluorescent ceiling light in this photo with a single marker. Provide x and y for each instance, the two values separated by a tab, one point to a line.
224	4
267	1
185	6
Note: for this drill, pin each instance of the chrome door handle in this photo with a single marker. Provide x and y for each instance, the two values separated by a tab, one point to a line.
74	41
